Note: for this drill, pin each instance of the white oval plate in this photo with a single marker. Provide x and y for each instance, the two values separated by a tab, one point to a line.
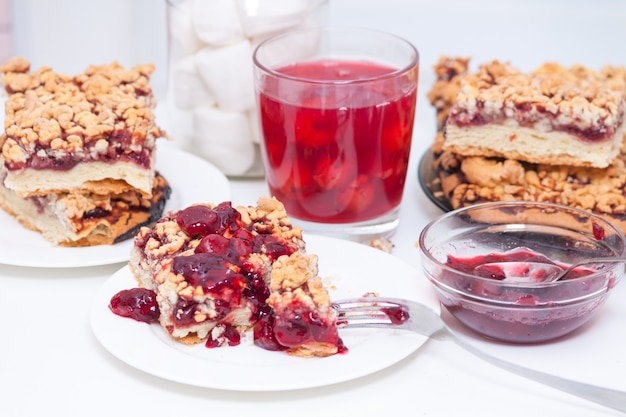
192	179
349	270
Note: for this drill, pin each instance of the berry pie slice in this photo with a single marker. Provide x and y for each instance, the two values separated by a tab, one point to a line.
215	272
553	115
78	153
66	133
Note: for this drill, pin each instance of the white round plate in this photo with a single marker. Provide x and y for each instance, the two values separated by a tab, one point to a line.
349	270
191	178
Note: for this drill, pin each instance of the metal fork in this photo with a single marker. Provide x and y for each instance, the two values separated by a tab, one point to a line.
398	313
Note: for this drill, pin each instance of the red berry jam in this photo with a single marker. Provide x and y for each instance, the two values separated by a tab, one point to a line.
229	336
598	231
397	315
302	326
534	313
119	143
137	303
264	335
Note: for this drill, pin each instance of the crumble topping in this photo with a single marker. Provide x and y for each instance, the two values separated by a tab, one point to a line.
167	238
292	272
589	102
269	216
443	93
484	179
52	118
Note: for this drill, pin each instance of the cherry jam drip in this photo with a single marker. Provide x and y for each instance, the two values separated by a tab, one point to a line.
136	303
397	315
299	328
230	336
264	335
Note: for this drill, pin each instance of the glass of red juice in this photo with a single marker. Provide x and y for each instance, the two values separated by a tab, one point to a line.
336	108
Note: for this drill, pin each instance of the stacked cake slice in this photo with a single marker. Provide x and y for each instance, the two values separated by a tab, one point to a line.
552	115
555	134
78	153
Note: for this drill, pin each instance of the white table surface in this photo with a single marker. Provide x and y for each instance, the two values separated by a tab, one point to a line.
51	363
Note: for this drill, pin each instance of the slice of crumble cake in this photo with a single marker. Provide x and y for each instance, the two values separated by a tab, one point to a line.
65	133
470	178
553	115
77	159
217	271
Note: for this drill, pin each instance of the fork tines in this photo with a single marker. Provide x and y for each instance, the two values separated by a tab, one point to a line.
370	312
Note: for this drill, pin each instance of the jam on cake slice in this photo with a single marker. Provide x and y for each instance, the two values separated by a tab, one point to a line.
66	133
90	218
217	272
552	115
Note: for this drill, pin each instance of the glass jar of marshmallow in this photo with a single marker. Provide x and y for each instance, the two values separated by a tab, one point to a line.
211	109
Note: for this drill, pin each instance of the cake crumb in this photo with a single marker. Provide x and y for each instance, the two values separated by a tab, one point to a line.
383	244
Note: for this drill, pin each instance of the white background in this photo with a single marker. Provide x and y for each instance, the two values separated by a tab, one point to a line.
50	362
71	34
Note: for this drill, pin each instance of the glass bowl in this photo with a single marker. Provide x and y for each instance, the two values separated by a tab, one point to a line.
453	244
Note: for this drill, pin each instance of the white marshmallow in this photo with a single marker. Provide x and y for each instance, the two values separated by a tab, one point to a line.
259	17
228	73
216	21
181	28
188	89
224	139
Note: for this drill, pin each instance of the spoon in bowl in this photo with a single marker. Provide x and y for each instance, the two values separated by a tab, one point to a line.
528	272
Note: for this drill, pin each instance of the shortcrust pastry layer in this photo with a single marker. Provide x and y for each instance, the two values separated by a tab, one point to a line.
87	219
86	177
530	144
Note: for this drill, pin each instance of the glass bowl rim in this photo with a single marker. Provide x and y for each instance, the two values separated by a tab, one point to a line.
430	258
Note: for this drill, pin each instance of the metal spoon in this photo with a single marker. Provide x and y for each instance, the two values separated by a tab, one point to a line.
528	272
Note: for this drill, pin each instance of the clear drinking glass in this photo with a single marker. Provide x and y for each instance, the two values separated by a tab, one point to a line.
336	109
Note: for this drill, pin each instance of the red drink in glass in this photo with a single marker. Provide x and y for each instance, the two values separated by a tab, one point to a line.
336	109
337	155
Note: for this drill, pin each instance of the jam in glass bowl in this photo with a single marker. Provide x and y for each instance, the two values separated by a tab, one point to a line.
453	245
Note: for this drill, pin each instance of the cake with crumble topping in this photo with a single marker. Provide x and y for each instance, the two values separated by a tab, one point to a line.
552	115
78	153
467	176
216	272
65	133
